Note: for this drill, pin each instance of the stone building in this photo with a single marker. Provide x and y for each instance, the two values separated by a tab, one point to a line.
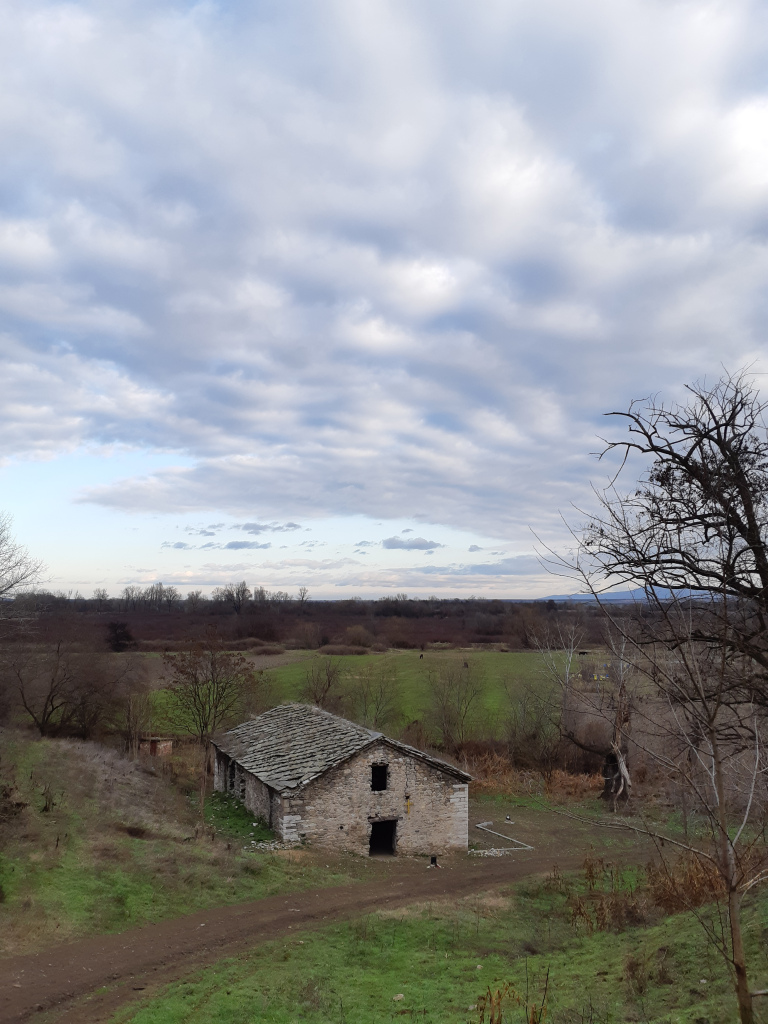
317	777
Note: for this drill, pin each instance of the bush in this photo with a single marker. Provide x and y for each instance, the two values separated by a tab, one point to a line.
358	636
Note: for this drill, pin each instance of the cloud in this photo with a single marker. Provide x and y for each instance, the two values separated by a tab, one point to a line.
234	545
204	531
266	527
239	545
411	544
474	547
178	545
353	266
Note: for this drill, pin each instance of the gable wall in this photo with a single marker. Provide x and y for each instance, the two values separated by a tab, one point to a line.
336	809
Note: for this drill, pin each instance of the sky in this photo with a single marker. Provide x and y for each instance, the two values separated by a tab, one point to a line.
337	294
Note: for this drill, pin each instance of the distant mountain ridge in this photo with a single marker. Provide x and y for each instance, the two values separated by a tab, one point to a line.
618	596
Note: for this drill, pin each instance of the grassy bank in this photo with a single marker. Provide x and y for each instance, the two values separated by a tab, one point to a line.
442	959
96	843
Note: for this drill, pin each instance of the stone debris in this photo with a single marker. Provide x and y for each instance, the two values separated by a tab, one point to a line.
494	852
270	845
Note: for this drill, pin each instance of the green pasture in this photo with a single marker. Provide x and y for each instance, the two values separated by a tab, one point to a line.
435	962
501	676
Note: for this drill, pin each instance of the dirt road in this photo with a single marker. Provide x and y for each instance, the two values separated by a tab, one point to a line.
86	981
67	983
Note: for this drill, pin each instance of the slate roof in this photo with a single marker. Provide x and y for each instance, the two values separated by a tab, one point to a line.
292	744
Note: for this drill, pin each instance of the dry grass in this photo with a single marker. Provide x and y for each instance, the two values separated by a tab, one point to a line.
493	773
118	845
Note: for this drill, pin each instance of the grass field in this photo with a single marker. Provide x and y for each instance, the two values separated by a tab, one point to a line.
119	847
501	674
443	958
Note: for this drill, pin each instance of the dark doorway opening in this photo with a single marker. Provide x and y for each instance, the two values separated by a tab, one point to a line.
383	837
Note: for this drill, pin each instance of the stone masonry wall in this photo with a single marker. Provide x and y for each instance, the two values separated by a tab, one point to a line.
256	796
336	810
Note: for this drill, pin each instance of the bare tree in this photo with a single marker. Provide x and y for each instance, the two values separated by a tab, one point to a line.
374	694
707	739
43	677
324	684
131	597
303	595
195	600
697	521
694	536
18	568
211	687
132	715
455	692
236	595
60	675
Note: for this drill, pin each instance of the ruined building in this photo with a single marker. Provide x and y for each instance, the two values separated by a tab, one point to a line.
317	777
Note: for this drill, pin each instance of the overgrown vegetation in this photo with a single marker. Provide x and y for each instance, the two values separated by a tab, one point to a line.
231	819
92	842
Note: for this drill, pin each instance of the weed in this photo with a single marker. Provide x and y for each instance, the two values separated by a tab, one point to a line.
637	973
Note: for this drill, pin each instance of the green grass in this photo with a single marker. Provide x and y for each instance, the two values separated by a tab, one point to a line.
120	848
230	818
500	672
443	958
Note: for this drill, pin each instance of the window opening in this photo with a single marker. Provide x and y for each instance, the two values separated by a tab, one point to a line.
378	777
383	838
231	779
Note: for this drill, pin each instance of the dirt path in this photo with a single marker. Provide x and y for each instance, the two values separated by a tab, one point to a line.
86	981
67	983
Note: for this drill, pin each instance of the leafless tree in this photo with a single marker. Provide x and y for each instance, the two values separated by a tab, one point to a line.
697	521
211	687
18	568
61	676
374	695
131	597
324	685
455	693
41	671
195	600
707	738
693	535
237	595
303	595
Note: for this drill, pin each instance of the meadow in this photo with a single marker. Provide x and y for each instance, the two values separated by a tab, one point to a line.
502	675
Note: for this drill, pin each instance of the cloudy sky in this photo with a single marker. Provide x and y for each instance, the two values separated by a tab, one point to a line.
336	294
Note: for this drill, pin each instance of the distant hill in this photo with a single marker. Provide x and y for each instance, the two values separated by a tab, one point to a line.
620	596
614	596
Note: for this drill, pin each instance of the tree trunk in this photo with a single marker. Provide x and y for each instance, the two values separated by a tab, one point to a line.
743	996
728	871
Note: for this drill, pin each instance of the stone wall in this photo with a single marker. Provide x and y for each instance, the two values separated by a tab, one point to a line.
336	810
257	797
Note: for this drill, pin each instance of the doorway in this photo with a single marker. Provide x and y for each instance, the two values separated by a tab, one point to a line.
383	836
